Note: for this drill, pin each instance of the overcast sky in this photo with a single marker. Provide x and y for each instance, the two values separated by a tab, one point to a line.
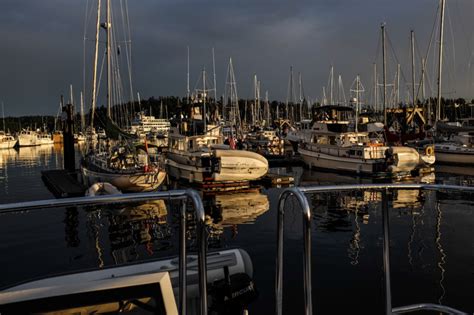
41	50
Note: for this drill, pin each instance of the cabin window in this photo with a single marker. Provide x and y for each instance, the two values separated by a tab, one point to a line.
332	140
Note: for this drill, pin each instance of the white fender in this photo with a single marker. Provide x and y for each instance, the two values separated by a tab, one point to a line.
102	189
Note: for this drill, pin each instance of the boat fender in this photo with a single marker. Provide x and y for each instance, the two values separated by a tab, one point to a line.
102	189
429	150
234	292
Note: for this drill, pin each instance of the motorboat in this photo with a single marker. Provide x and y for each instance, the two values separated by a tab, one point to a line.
206	159
7	141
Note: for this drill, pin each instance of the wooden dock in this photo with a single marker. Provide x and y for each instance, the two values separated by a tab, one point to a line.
62	183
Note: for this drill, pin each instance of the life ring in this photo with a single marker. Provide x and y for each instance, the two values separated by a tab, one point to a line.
429	150
102	188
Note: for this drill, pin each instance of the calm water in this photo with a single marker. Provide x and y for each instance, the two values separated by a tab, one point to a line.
431	238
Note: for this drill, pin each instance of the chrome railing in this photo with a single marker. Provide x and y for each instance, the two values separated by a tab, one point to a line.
182	195
299	193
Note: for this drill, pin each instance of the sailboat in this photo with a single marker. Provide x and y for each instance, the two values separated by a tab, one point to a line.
123	165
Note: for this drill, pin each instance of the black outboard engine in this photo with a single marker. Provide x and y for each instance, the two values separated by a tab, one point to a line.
232	294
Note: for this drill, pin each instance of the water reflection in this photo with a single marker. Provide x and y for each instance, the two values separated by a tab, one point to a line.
442	254
134	229
231	210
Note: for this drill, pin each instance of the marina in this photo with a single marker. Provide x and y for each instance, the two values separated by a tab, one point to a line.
345	232
229	196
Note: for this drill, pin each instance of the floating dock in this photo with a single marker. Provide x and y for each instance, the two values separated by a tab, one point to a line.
62	183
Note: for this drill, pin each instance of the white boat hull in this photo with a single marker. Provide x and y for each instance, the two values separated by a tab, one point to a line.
27	140
237	260
337	163
228	166
465	158
143	181
8	144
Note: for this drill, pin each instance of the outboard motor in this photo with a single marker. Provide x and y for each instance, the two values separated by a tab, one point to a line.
232	294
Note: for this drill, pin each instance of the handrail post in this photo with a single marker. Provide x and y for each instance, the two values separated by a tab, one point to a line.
279	257
303	202
386	253
182	259
202	246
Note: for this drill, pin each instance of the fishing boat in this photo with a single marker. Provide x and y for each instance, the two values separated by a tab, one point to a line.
28	138
44	138
7	141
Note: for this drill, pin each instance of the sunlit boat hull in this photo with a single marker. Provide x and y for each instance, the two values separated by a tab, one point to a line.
458	158
137	182
403	160
221	166
7	144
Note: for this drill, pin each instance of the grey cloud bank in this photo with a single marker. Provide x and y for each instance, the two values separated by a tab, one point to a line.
41	50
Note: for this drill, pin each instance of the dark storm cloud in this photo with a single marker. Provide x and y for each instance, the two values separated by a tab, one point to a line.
41	50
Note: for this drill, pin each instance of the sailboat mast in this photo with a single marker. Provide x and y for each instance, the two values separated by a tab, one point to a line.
384	70
423	78
109	61
398	84
267	108
357	103
71	97
254	106
301	96
412	33
204	99
83	122
187	82
214	74
440	60
375	87
3	116
94	71
331	86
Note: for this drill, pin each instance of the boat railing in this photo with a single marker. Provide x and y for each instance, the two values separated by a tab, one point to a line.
182	195
300	195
